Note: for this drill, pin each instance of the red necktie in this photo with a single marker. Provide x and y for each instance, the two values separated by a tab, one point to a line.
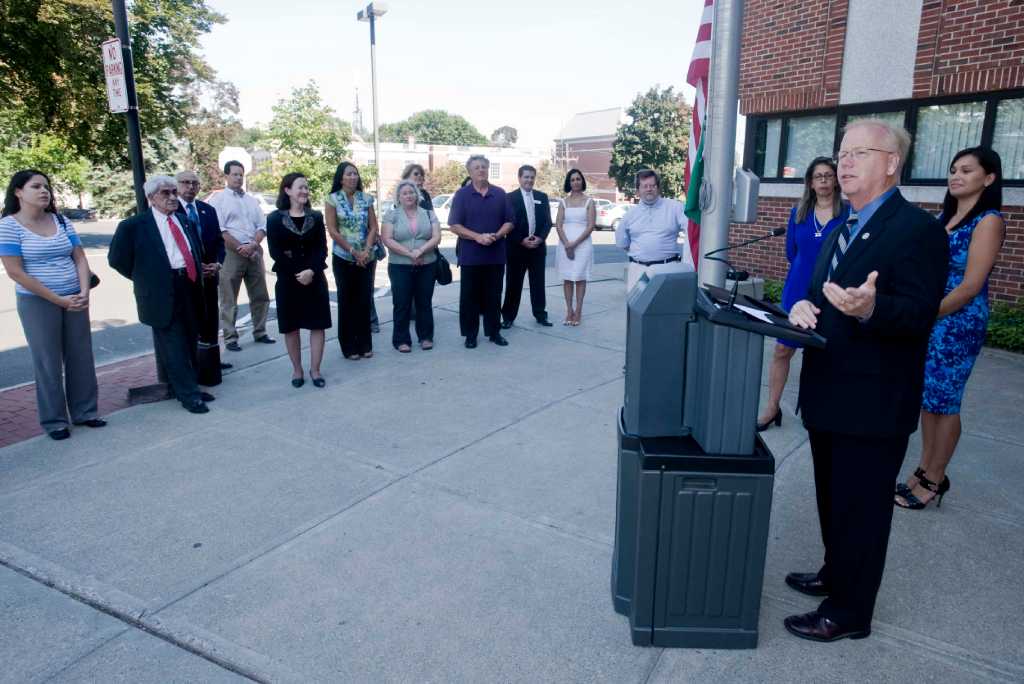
179	239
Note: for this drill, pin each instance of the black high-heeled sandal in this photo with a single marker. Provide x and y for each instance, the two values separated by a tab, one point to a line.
911	502
761	427
902	489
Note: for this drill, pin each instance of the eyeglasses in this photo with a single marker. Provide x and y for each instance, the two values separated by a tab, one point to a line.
823	177
857	153
188	182
167	192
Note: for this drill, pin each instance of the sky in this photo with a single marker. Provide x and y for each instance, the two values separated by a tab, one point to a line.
529	64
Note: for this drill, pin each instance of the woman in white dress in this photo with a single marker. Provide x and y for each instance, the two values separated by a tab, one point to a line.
575	252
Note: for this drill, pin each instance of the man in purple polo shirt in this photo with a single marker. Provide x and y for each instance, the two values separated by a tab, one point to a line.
481	218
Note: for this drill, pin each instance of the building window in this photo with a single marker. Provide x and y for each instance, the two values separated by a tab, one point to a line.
894	118
942	131
1008	137
767	137
495	171
807	137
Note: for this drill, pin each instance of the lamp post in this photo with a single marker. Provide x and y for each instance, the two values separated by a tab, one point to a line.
370	14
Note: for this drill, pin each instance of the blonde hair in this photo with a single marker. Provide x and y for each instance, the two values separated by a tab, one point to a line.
896	135
398	191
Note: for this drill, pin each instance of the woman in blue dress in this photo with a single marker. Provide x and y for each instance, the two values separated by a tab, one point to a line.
970	214
820	211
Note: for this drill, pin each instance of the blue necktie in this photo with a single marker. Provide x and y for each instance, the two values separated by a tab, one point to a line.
843	243
193	216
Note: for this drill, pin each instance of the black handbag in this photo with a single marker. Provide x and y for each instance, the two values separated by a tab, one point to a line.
442	269
209	364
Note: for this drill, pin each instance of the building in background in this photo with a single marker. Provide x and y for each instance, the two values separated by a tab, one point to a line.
585	143
950	71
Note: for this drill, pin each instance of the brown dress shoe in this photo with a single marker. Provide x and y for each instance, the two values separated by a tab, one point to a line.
807	583
816	627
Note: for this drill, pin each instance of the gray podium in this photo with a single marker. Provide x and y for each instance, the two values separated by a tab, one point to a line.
695	482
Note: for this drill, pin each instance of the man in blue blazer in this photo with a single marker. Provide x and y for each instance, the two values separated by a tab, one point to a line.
161	253
527	253
204	219
874	295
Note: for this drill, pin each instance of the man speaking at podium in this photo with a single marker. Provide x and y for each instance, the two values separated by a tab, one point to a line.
874	295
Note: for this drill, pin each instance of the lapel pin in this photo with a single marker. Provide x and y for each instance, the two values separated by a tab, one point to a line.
865	236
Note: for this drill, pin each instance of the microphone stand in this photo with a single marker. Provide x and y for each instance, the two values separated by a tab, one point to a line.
739	276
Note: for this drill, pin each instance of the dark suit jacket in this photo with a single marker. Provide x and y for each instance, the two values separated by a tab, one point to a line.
293	253
209	231
520	224
137	253
868	379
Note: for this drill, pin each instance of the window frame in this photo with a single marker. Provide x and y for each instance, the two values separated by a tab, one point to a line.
909	107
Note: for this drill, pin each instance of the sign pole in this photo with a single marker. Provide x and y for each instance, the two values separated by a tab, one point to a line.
132	113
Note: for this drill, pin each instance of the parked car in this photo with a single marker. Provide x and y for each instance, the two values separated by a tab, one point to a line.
268	203
442	206
77	214
610	215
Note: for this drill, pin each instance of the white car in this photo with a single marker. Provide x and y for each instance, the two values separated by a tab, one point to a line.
267	203
442	207
609	216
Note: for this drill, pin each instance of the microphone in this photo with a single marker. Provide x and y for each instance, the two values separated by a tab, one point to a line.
739	276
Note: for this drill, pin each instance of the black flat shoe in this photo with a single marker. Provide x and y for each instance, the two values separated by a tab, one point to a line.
499	340
470	343
197	407
266	340
233	346
761	427
544	322
227	366
807	583
816	627
505	325
319	382
58	435
299	382
206	396
93	423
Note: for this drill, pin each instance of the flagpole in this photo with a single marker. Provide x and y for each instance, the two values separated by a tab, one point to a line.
720	136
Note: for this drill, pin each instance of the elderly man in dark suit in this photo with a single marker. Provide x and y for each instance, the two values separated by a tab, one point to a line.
874	295
531	223
161	253
203	218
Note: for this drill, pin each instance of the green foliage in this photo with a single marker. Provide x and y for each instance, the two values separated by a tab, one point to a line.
46	152
1006	327
213	126
550	179
445	179
304	135
113	191
434	127
506	136
773	291
656	138
51	80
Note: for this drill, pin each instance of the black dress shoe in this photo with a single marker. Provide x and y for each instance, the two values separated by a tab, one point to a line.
319	382
298	382
499	340
58	435
266	340
817	627
544	322
226	366
807	583
233	346
197	406
505	325
93	423
470	343
206	396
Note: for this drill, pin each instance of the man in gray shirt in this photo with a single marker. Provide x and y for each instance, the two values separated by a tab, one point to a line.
649	232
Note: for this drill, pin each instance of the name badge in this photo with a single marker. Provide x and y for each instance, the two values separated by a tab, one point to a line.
536	201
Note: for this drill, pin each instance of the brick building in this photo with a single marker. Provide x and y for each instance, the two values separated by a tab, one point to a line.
585	143
950	71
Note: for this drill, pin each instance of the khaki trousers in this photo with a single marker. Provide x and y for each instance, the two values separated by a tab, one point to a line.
236	269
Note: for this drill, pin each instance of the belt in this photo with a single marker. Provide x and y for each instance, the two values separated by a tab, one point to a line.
655	263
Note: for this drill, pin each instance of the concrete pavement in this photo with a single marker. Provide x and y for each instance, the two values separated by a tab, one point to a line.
448	516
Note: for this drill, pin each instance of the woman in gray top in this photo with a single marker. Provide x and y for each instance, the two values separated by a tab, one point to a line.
411	233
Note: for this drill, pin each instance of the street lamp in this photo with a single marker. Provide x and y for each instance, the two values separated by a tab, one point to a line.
370	14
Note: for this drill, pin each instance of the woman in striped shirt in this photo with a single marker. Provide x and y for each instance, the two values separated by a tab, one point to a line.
43	256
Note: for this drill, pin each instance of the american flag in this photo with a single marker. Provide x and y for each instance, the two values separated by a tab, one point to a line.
697	76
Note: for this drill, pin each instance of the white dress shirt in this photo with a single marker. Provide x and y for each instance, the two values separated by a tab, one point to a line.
239	214
174	254
531	210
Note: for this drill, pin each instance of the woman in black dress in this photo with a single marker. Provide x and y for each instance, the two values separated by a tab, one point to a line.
298	245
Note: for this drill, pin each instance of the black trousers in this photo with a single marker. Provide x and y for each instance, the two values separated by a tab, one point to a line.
854	478
411	284
354	285
480	293
209	323
177	343
520	262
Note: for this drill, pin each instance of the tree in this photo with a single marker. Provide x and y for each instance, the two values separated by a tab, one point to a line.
445	179
51	81
68	171
656	138
506	136
435	127
304	135
212	127
550	179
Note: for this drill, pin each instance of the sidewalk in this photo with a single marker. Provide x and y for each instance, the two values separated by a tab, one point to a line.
448	516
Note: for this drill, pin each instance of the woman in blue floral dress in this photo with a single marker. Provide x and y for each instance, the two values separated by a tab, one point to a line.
976	230
819	213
